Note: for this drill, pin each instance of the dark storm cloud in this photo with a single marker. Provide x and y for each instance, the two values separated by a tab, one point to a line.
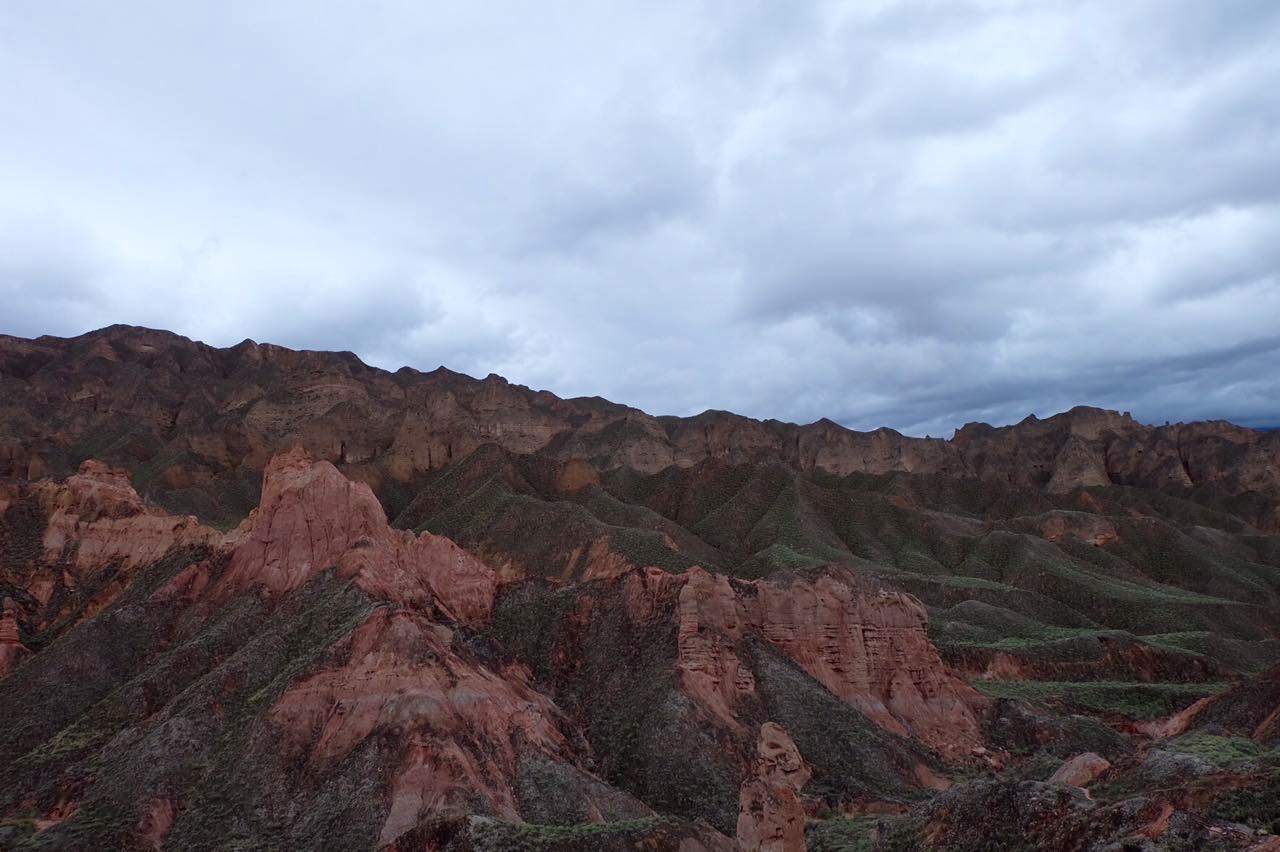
906	213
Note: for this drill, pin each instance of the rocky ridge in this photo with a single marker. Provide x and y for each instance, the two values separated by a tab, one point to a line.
193	419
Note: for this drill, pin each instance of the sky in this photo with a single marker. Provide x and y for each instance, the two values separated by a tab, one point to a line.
909	214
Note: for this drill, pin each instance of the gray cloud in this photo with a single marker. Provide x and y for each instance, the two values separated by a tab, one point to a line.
900	212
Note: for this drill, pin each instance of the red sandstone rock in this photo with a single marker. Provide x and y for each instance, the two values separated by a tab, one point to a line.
1004	667
461	725
156	822
1081	770
643	590
770	813
1156	827
12	650
576	475
98	517
312	518
1077	465
599	562
869	647
711	626
1176	724
1251	708
94	520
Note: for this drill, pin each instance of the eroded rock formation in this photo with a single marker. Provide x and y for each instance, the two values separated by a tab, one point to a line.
1081	770
94	534
96	519
869	646
227	411
462	726
313	518
771	815
315	667
11	648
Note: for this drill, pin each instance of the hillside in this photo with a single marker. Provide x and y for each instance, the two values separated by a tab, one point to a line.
260	598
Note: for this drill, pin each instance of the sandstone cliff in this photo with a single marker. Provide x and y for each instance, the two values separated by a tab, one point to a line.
312	518
869	647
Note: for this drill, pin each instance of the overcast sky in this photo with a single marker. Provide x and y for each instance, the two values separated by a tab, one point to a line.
911	214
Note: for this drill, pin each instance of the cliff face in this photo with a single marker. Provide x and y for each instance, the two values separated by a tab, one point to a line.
869	647
200	424
459	728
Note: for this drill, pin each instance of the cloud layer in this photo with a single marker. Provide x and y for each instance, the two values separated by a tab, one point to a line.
910	213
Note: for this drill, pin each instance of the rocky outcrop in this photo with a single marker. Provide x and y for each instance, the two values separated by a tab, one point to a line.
1090	528
156	822
97	519
399	704
868	646
71	547
461	727
771	816
1172	726
574	476
1081	770
1077	465
711	626
313	518
11	648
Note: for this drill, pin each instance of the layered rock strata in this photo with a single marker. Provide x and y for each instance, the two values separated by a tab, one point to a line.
869	647
225	412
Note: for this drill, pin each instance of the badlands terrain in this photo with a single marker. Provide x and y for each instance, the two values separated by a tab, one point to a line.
256	598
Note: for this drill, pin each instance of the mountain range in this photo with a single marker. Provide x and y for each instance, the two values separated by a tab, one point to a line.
258	598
